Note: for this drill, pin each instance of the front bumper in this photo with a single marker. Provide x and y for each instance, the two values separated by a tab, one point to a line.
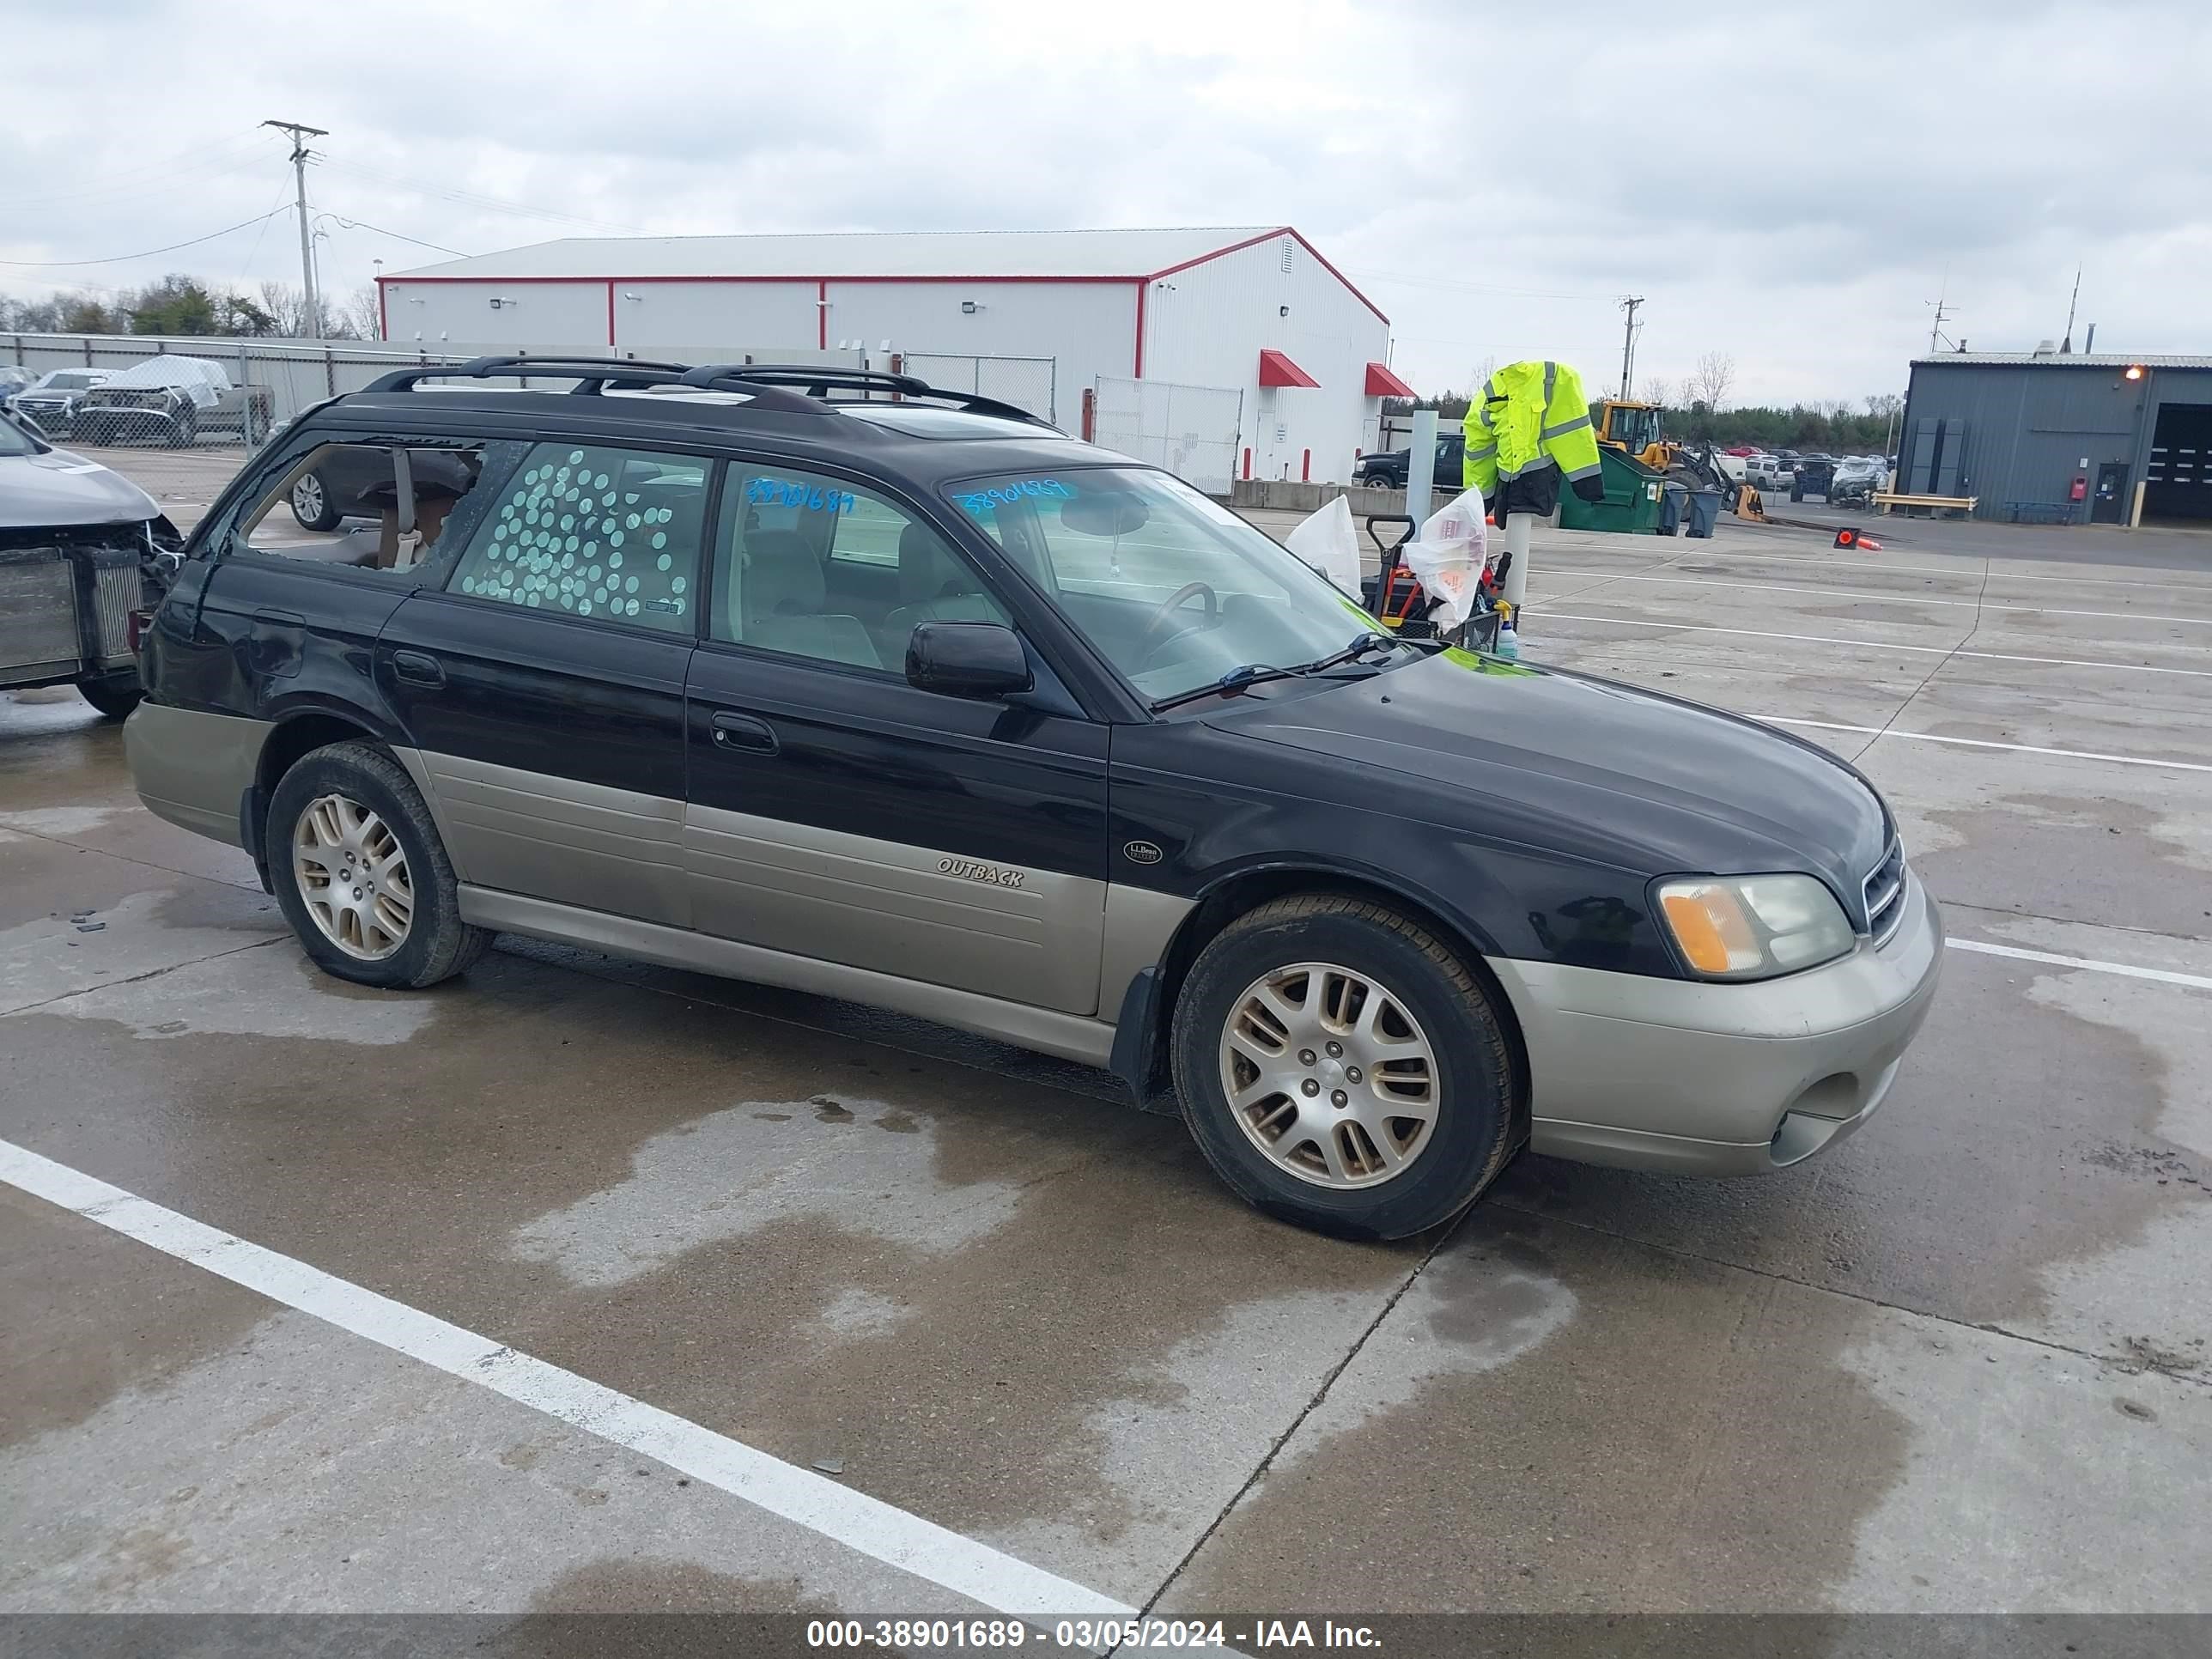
1704	1078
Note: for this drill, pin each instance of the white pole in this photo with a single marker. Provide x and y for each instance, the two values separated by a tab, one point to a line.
1517	575
1421	466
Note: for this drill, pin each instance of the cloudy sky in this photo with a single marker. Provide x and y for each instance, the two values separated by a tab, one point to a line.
1791	184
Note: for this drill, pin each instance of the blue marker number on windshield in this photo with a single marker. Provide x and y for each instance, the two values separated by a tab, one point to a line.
980	501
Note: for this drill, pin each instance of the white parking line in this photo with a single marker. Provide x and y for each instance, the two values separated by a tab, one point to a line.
1886	598
1541	611
2164	977
874	1528
1986	742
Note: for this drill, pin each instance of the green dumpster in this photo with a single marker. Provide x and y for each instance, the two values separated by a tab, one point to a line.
1632	493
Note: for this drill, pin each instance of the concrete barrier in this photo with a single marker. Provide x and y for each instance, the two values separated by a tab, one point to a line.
1284	495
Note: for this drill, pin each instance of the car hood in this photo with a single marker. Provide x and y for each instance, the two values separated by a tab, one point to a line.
59	488
1590	767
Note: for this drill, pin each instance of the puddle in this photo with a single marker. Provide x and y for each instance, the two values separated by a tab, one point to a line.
268	993
737	1172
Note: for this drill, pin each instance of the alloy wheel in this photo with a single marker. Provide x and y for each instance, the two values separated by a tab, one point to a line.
353	878
1329	1075
307	499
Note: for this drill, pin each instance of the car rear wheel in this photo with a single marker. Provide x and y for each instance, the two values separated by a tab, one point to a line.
114	696
360	874
1342	1069
312	505
186	431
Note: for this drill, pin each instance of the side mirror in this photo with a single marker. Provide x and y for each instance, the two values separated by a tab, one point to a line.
967	660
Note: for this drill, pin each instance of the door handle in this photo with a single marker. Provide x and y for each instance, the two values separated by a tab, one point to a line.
744	733
418	668
281	618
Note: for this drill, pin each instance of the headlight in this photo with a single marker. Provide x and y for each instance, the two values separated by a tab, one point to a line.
1755	927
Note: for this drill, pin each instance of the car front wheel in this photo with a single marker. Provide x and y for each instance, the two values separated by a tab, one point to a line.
360	874
1342	1069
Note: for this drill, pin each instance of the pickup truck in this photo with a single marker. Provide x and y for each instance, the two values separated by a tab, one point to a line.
172	400
1386	470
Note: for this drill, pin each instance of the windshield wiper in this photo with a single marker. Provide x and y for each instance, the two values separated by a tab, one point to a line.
1250	673
1359	647
1259	673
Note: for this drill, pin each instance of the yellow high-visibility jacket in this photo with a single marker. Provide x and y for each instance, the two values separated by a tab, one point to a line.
1529	413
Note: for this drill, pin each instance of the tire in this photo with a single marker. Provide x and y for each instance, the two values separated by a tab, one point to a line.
114	696
1424	986
186	432
435	943
312	504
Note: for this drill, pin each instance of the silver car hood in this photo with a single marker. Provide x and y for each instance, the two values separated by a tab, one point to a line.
59	488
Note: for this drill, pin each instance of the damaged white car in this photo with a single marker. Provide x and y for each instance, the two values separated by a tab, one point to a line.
84	555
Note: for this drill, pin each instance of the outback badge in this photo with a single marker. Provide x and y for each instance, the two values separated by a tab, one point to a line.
972	870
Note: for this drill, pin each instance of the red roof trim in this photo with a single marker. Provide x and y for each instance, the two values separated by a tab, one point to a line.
1290	231
1112	281
1277	369
1381	383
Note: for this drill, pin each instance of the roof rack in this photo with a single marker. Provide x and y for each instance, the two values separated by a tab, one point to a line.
771	384
820	378
592	374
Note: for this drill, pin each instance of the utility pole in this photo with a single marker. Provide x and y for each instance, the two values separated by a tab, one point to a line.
2067	344
300	137
1628	342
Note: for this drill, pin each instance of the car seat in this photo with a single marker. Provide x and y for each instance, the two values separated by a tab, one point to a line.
781	596
935	585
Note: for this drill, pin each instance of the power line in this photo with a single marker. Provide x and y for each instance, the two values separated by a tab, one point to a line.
1469	287
473	199
122	258
151	177
363	224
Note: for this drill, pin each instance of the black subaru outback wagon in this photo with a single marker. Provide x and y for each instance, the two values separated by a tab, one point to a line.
835	681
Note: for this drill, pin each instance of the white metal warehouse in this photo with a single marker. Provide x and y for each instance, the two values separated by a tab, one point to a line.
1215	351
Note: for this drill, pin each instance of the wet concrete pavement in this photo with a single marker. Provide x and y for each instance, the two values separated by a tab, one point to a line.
1960	1362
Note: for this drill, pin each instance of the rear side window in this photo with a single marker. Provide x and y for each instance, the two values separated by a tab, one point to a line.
593	531
355	504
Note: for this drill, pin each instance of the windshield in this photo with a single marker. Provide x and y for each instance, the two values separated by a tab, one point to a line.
67	379
1174	590
14	440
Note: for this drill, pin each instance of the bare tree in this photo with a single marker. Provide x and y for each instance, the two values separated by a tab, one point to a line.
360	318
1659	390
288	307
1714	377
1883	405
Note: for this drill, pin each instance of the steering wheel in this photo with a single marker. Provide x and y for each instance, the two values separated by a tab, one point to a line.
1158	623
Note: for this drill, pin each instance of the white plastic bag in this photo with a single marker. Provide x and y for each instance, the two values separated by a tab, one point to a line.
1448	556
1327	540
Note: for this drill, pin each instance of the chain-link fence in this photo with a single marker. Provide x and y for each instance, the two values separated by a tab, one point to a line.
1031	383
275	379
272	381
1191	430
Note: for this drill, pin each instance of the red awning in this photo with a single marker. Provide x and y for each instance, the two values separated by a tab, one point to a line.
1381	383
1276	369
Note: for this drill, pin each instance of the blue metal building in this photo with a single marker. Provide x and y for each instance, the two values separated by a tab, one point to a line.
2063	437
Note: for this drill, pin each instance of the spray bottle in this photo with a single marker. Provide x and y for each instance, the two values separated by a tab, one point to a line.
1508	642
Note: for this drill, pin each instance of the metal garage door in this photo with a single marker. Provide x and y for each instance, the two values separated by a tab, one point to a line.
2178	480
